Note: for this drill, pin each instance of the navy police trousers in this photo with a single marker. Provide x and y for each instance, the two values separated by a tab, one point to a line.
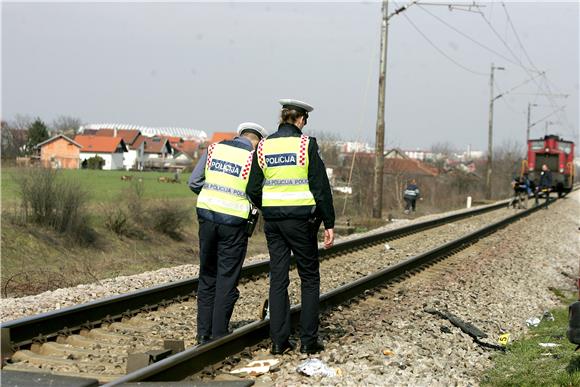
284	237
222	251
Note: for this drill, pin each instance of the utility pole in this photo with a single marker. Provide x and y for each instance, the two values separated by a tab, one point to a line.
529	123
529	127
380	131
492	99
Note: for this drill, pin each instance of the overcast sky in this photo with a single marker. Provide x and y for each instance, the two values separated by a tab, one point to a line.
210	66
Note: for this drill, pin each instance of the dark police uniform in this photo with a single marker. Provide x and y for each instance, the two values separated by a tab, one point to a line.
544	187
220	179
289	183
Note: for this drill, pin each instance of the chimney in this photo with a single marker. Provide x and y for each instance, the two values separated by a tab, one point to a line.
115	132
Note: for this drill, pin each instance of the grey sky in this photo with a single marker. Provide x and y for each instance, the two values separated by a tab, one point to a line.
211	66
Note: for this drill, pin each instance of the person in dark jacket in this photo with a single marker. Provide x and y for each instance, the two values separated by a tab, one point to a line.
522	191
545	185
220	179
410	195
289	184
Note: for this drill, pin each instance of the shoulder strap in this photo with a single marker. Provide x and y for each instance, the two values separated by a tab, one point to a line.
247	166
303	149
260	152
210	154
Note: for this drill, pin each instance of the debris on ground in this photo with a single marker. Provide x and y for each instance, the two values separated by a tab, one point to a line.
548	345
548	316
315	367
473	331
388	352
533	322
256	367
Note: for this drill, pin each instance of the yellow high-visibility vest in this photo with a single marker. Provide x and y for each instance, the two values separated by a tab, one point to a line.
226	177
284	161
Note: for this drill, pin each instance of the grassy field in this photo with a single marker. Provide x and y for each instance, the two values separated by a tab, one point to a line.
526	363
105	186
36	258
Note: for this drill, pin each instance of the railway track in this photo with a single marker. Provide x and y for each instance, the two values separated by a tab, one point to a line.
101	333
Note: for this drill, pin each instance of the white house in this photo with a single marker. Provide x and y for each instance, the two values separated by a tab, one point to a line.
157	151
110	149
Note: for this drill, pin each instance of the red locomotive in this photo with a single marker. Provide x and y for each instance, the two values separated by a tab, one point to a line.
558	155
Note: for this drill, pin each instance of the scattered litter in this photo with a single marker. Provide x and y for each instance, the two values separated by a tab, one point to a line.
533	322
548	345
388	352
504	339
388	247
548	316
315	367
445	329
256	367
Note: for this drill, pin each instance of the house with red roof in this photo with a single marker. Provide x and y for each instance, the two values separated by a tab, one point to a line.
110	149
156	152
133	158
398	163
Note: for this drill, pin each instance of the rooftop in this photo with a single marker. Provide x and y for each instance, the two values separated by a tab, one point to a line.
100	144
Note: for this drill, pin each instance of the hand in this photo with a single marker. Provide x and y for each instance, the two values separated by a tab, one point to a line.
328	238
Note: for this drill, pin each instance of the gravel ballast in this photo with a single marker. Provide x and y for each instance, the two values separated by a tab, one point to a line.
13	308
495	284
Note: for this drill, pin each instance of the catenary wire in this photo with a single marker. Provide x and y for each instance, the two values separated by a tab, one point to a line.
441	51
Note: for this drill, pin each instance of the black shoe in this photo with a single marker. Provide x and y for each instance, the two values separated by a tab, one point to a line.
280	349
203	339
312	348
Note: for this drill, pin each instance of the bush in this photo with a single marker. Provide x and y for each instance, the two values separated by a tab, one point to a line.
48	199
117	221
133	195
95	162
168	218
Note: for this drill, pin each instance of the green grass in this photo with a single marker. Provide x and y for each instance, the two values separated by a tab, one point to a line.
105	186
527	364
35	258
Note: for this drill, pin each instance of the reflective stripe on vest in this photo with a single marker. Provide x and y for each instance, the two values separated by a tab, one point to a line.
226	177
284	161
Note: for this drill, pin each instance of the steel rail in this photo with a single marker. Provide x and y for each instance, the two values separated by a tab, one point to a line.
195	359
44	326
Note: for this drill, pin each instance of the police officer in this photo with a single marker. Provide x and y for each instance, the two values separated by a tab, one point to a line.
220	178
290	185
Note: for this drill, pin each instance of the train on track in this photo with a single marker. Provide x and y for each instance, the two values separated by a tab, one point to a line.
558	155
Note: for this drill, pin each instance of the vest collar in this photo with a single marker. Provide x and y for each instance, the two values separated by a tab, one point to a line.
244	142
288	129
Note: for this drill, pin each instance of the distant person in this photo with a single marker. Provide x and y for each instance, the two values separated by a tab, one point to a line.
522	191
220	179
410	195
545	185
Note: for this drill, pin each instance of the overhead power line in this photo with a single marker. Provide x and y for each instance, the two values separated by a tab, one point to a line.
468	37
547	83
440	51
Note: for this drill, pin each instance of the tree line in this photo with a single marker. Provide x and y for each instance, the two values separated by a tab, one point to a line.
23	133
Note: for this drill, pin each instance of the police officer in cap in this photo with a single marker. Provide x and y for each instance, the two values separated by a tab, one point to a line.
290	185
220	178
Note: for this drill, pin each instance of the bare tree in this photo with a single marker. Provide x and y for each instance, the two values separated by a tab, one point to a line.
66	125
14	140
442	151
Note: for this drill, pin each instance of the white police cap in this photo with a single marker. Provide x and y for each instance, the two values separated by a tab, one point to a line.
252	126
296	105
